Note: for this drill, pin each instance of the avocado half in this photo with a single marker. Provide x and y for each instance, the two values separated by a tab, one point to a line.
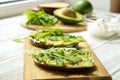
68	16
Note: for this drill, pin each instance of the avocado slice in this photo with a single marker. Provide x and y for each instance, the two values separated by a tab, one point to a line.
68	16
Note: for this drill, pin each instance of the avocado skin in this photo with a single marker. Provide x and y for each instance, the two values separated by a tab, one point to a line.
67	20
82	6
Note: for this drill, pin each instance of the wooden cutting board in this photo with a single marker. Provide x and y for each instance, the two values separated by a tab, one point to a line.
66	28
32	71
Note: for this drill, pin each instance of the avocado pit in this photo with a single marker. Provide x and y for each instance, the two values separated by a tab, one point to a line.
69	12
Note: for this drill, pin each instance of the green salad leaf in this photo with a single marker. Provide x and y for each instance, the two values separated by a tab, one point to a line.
40	18
19	40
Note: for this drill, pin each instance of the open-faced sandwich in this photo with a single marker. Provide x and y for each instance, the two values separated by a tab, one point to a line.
63	59
53	38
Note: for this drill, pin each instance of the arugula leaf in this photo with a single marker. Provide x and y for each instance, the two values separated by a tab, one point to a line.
19	40
40	18
59	61
74	59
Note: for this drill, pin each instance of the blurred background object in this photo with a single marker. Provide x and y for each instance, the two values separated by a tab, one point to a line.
101	5
51	6
115	6
16	7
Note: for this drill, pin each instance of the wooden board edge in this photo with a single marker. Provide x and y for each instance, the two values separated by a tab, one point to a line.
65	29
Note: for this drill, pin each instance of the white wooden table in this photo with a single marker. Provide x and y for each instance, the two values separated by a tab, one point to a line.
11	53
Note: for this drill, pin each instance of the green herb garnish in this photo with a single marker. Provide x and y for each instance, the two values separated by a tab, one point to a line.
19	40
40	18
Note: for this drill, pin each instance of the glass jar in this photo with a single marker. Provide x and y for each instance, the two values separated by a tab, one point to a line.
102	25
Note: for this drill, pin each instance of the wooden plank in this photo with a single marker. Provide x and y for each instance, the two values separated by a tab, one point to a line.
64	27
12	67
31	71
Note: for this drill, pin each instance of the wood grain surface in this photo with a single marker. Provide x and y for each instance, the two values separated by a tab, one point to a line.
32	71
66	28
